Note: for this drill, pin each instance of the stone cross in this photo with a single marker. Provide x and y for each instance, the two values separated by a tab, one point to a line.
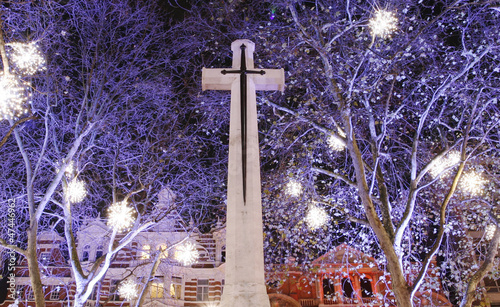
244	268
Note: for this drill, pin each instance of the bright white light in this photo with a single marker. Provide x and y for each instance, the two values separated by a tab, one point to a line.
336	143
187	254
13	97
451	159
316	217
489	231
120	216
75	192
293	188
27	58
128	290
472	182
383	23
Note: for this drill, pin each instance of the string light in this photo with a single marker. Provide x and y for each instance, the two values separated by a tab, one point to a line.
472	182
75	191
128	290
187	254
383	23
293	188
451	159
316	217
120	216
336	143
27	57
13	97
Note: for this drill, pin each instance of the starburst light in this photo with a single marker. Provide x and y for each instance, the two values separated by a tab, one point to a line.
187	254
128	290
120	216
451	159
472	182
293	188
316	217
336	143
13	97
383	23
27	58
75	191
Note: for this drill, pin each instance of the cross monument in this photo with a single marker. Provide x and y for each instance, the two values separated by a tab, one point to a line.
244	268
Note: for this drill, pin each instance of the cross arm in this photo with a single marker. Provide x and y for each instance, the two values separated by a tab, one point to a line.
214	79
271	80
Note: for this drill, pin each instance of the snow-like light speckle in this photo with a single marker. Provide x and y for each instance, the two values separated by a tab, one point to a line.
27	58
13	97
336	143
490	231
472	182
451	159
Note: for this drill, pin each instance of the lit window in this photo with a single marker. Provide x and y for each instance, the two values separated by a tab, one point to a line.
54	295
163	250
157	288
176	287
347	288
146	249
202	290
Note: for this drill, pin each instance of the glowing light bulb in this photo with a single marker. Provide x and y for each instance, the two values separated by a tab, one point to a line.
27	58
472	182
13	97
489	231
316	217
293	188
75	192
383	23
451	159
120	216
336	143
187	254
128	290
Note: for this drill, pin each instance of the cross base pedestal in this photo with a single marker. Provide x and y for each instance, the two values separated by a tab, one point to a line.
245	295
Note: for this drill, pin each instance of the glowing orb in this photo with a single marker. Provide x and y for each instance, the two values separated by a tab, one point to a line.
451	159
128	290
293	188
316	217
490	231
13	97
27	58
75	192
472	183
120	216
336	143
187	254
383	23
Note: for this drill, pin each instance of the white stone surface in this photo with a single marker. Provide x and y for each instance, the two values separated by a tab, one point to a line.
244	268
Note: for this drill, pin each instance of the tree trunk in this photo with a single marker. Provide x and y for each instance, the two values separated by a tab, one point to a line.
34	270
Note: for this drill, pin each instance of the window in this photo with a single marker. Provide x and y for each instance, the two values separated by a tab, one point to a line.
491	285
328	288
30	295
366	287
223	255
85	255
347	288
20	291
222	284
113	290
99	252
163	250
202	290
145	253
54	295
45	258
157	287
176	287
